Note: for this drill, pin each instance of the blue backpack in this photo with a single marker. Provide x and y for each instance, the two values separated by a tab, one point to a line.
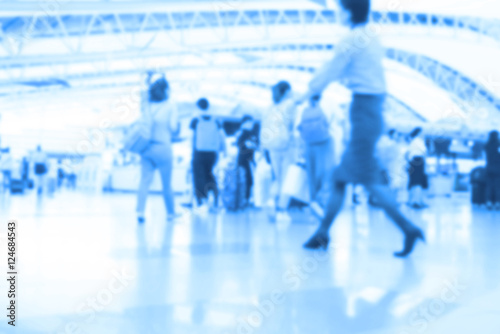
314	127
207	135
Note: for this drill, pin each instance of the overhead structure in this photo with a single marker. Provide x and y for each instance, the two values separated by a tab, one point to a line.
99	45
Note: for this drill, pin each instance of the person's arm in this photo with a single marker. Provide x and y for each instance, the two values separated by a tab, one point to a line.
290	114
193	124
330	71
222	138
408	152
144	103
241	139
174	123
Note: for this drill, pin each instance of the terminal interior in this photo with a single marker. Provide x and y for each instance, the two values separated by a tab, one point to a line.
70	82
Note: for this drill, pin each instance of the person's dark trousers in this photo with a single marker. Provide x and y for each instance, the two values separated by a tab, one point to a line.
248	180
203	176
493	188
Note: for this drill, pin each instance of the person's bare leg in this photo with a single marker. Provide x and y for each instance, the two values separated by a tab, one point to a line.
321	239
386	200
335	203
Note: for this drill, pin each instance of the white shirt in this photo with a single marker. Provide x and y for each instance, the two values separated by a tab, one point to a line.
417	148
357	64
165	119
39	157
277	125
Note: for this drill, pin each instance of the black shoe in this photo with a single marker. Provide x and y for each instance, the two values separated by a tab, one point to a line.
318	241
410	240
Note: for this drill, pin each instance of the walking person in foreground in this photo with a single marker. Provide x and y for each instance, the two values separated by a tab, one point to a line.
360	65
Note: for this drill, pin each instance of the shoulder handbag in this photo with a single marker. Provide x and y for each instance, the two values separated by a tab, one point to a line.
138	134
296	183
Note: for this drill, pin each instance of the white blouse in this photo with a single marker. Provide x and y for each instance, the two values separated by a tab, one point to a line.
165	119
417	148
357	63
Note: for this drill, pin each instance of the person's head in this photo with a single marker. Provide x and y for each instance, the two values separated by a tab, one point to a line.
354	12
38	148
203	104
314	100
415	133
158	91
280	91
247	122
392	133
493	137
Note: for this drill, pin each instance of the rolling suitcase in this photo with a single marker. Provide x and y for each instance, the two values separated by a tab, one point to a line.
234	187
478	181
16	186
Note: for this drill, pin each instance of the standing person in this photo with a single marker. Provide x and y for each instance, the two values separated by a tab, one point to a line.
314	129
207	142
388	154
492	150
276	136
163	116
25	171
247	143
52	179
60	173
41	168
399	174
6	165
361	67
418	180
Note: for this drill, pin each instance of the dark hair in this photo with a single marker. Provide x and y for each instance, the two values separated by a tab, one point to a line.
203	103
246	118
359	9
415	132
279	90
316	97
391	132
158	90
493	138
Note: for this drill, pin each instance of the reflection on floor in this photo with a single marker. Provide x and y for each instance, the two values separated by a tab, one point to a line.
87	267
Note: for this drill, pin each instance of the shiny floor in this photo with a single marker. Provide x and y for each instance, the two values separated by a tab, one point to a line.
87	267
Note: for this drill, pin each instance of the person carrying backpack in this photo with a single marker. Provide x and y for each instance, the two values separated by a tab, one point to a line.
314	129
207	142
